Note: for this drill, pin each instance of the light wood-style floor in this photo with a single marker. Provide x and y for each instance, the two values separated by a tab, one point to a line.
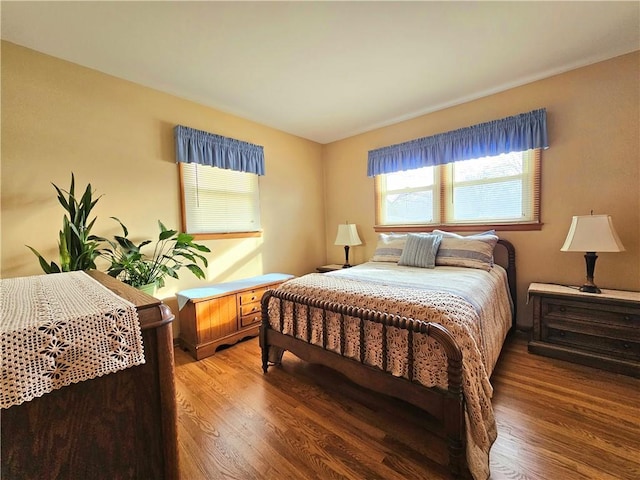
556	420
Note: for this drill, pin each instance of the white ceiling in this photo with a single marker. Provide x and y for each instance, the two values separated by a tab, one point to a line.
327	70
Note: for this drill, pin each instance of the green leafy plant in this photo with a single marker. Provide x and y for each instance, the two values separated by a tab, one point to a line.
172	251
77	248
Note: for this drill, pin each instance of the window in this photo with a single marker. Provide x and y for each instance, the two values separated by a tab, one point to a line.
407	197
219	201
499	190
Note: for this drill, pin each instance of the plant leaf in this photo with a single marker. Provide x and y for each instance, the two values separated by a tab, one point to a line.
124	229
61	198
196	270
43	263
166	234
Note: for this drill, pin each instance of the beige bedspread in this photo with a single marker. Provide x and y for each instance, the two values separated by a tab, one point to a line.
472	304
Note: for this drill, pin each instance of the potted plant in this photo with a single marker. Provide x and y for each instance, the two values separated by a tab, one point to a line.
77	248
172	251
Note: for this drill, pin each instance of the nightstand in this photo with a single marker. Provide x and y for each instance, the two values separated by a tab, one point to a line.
599	330
329	268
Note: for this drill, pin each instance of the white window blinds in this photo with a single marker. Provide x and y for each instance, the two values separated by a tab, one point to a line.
492	189
218	200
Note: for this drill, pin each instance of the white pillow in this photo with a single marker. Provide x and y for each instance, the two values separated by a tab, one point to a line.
473	251
389	247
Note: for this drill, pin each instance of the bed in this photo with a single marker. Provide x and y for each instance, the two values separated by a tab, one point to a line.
428	336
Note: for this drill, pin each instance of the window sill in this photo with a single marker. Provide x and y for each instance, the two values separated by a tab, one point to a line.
220	236
499	227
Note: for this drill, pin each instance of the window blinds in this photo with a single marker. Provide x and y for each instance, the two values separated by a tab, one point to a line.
219	200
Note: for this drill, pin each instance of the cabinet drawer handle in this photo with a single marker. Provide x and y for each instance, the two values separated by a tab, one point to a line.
626	346
627	318
561	333
563	309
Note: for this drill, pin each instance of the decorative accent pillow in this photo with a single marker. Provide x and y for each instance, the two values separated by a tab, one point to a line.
420	250
389	247
473	251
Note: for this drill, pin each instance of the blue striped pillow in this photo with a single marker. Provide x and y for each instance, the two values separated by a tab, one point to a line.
420	250
472	251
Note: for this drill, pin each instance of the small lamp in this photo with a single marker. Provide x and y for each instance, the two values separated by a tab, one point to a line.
591	234
347	236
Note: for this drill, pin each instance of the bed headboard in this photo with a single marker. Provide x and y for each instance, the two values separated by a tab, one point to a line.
506	257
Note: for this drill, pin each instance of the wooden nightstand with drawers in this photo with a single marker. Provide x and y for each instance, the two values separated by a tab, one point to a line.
599	330
330	268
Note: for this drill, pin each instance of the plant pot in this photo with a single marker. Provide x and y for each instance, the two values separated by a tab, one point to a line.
149	288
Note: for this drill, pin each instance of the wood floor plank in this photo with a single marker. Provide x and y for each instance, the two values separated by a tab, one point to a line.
250	430
556	420
594	429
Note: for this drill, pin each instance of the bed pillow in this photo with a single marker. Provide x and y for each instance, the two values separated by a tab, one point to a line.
389	247
420	250
472	251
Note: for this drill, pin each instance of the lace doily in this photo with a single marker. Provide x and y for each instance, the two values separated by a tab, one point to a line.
61	329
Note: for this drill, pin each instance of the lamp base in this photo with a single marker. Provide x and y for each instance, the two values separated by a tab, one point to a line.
346	257
590	288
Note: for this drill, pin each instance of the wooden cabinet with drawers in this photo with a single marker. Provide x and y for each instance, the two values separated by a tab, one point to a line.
223	314
599	330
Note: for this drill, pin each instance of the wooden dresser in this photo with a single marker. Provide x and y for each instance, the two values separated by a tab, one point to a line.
223	313
599	330
118	426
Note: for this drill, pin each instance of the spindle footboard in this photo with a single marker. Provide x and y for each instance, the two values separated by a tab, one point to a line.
446	406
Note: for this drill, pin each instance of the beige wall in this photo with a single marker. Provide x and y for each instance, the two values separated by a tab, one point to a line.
58	118
592	164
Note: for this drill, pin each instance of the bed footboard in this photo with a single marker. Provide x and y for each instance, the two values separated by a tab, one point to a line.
447	406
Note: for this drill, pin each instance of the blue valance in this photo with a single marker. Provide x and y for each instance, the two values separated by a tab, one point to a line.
196	146
512	134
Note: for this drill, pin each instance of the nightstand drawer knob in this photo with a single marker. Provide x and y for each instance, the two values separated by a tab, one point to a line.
627	318
626	345
563	309
561	333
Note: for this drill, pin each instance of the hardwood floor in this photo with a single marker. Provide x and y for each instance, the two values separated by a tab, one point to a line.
556	420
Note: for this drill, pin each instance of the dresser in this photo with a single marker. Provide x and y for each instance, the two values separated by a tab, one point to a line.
223	313
120	425
599	330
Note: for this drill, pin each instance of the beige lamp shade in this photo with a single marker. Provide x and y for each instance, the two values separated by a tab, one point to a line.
347	235
592	233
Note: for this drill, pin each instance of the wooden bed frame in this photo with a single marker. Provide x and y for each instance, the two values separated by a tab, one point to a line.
446	406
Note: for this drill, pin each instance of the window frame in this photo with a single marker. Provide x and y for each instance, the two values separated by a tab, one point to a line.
441	178
212	235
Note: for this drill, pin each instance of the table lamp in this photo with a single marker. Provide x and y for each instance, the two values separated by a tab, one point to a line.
347	236
591	234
